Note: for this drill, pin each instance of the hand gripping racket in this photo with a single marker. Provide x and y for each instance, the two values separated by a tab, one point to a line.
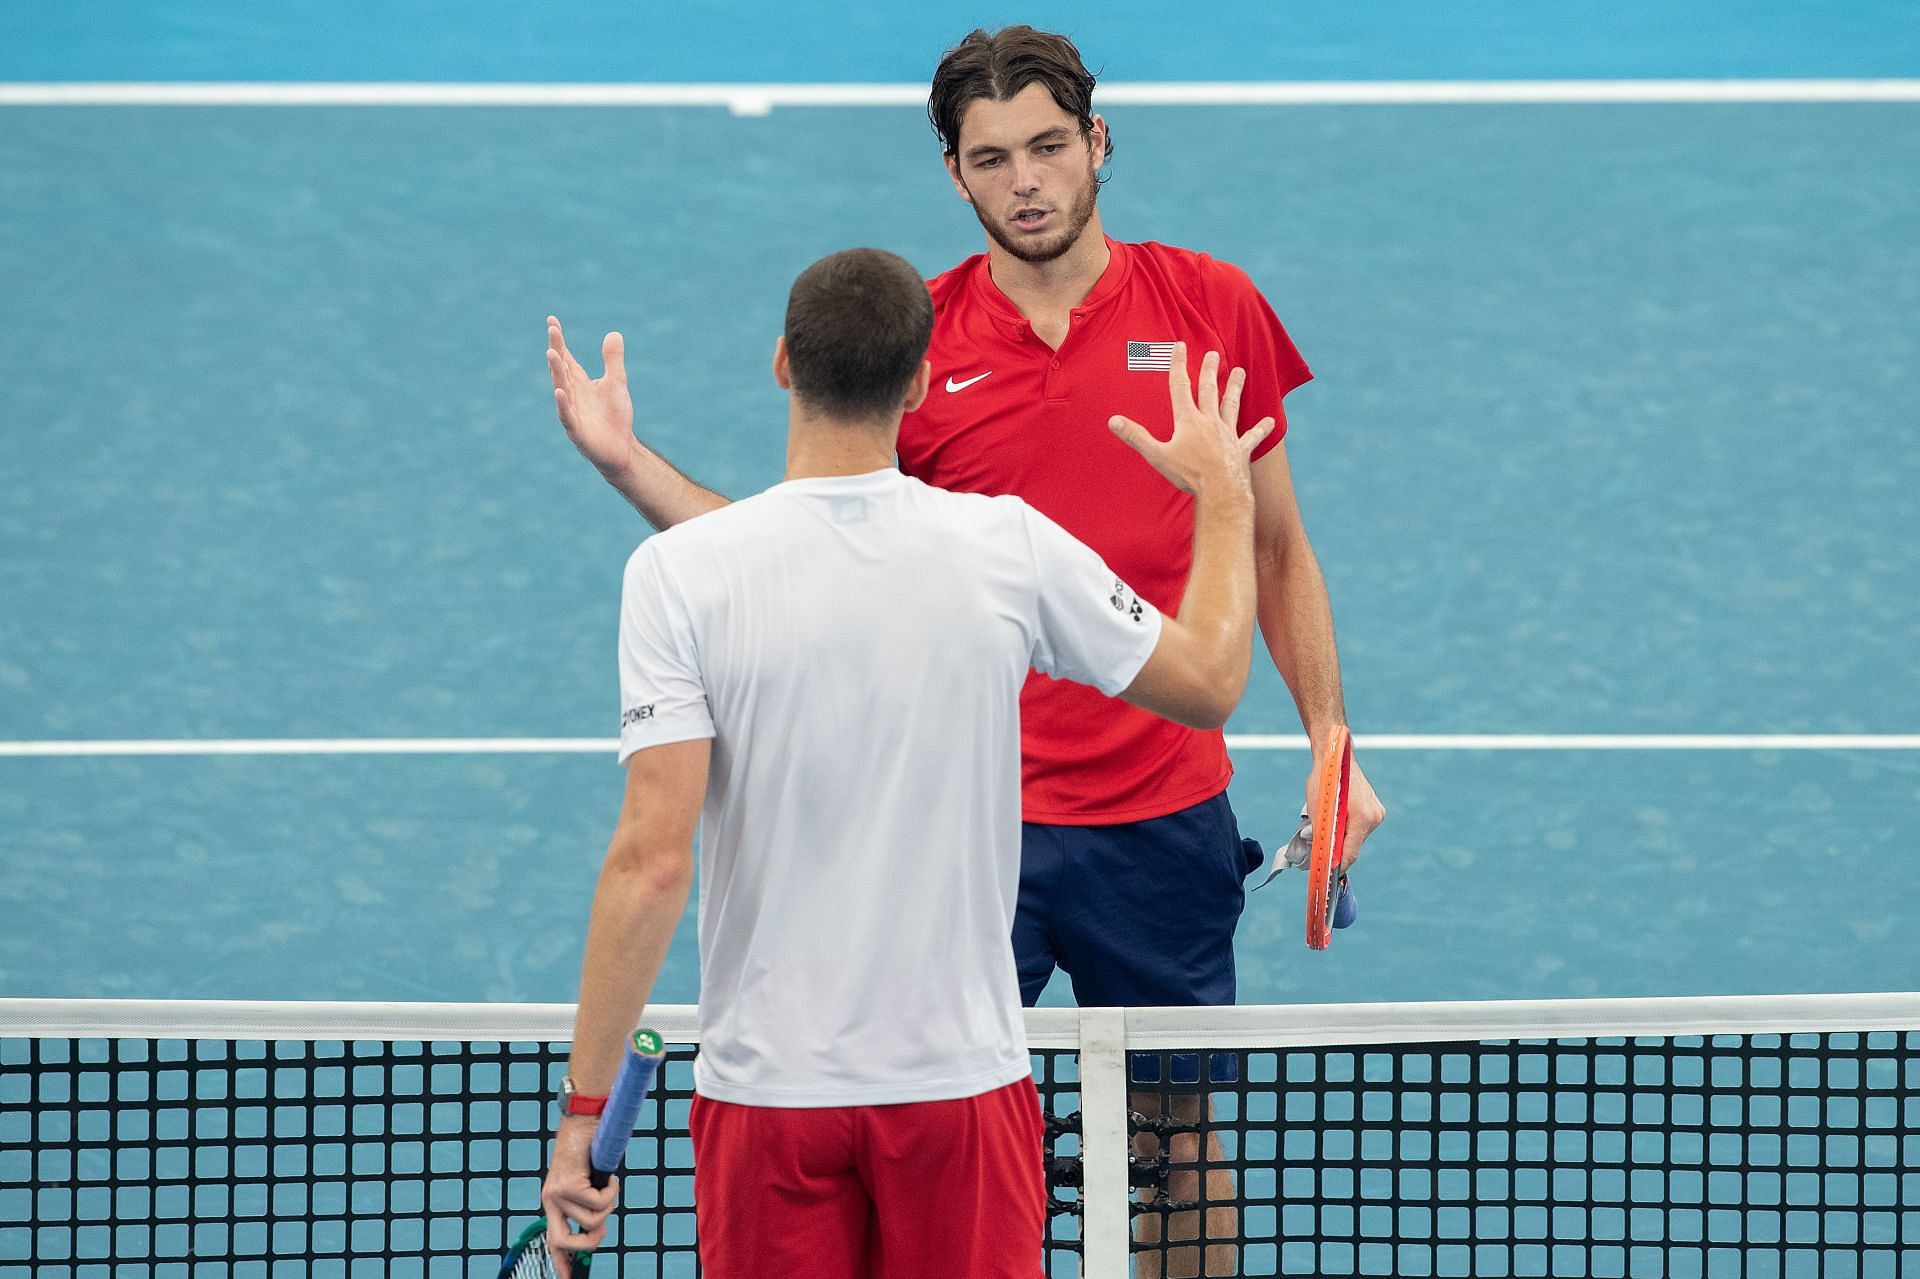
1327	888
1315	847
530	1257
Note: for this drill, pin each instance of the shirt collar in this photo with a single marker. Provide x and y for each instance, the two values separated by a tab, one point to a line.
1006	315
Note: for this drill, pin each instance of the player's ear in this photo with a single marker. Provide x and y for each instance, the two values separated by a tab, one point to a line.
782	370
917	389
1097	138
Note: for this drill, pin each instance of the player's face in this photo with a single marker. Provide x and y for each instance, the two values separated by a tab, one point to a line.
1028	172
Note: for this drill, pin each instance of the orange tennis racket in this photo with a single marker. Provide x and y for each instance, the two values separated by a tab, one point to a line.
1328	896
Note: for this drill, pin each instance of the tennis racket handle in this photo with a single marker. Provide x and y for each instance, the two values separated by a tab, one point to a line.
1346	910
645	1051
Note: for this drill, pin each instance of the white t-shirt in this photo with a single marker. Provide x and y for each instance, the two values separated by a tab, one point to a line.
855	646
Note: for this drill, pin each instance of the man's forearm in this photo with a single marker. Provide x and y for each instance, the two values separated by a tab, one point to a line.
636	906
1296	619
1218	605
660	491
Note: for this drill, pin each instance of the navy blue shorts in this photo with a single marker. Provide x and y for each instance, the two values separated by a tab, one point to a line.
1140	914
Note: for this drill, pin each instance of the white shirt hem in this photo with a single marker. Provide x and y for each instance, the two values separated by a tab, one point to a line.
667	737
1137	661
861	1094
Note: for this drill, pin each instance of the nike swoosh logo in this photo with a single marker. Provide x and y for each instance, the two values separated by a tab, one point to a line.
961	386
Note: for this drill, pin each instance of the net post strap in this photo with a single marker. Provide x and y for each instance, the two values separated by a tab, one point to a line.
1108	1221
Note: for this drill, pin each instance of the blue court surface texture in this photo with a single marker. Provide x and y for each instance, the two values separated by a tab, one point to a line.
1614	432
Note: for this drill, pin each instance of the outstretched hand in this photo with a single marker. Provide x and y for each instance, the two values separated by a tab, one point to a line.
596	412
1205	449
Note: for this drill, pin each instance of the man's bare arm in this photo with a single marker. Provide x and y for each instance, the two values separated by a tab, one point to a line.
636	906
598	416
662	493
1198	670
1295	614
1296	620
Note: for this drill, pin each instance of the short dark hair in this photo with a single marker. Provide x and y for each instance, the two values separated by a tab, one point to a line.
858	324
998	65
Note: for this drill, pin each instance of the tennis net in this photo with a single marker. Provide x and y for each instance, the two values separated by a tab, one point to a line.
1772	1135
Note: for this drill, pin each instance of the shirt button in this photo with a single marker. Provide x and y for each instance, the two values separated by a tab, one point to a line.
1056	364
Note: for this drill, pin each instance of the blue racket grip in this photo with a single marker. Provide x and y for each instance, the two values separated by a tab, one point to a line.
645	1051
1346	908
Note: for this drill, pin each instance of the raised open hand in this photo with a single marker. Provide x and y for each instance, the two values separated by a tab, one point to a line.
596	412
1205	448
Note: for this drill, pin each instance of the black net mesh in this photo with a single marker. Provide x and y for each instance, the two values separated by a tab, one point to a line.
175	1157
1686	1158
1722	1156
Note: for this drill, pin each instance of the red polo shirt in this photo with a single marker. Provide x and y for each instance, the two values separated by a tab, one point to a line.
1008	414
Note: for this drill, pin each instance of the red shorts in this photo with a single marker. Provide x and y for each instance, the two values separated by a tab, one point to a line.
924	1190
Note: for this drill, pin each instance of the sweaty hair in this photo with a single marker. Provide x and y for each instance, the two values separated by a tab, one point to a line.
997	66
858	324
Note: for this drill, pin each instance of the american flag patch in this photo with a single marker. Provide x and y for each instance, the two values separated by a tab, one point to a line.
1147	357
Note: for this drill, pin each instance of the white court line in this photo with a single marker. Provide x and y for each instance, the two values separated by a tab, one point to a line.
759	99
1243	742
1597	741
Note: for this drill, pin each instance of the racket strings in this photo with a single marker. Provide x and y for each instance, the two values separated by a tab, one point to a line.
534	1262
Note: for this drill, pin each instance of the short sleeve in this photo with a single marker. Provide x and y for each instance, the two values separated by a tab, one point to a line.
662	696
1093	629
1258	343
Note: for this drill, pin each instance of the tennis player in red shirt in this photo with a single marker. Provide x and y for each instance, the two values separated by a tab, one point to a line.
1133	868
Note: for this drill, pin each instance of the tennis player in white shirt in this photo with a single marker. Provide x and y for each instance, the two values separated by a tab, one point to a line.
824	679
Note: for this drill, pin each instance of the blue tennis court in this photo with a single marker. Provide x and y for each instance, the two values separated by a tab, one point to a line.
1613	433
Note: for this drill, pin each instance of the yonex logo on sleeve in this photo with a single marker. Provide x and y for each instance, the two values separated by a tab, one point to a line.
634	714
1126	601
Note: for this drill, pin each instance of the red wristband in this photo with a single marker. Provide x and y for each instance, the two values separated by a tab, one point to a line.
581	1104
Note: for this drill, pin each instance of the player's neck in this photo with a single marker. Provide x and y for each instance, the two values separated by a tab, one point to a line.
1045	292
818	447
